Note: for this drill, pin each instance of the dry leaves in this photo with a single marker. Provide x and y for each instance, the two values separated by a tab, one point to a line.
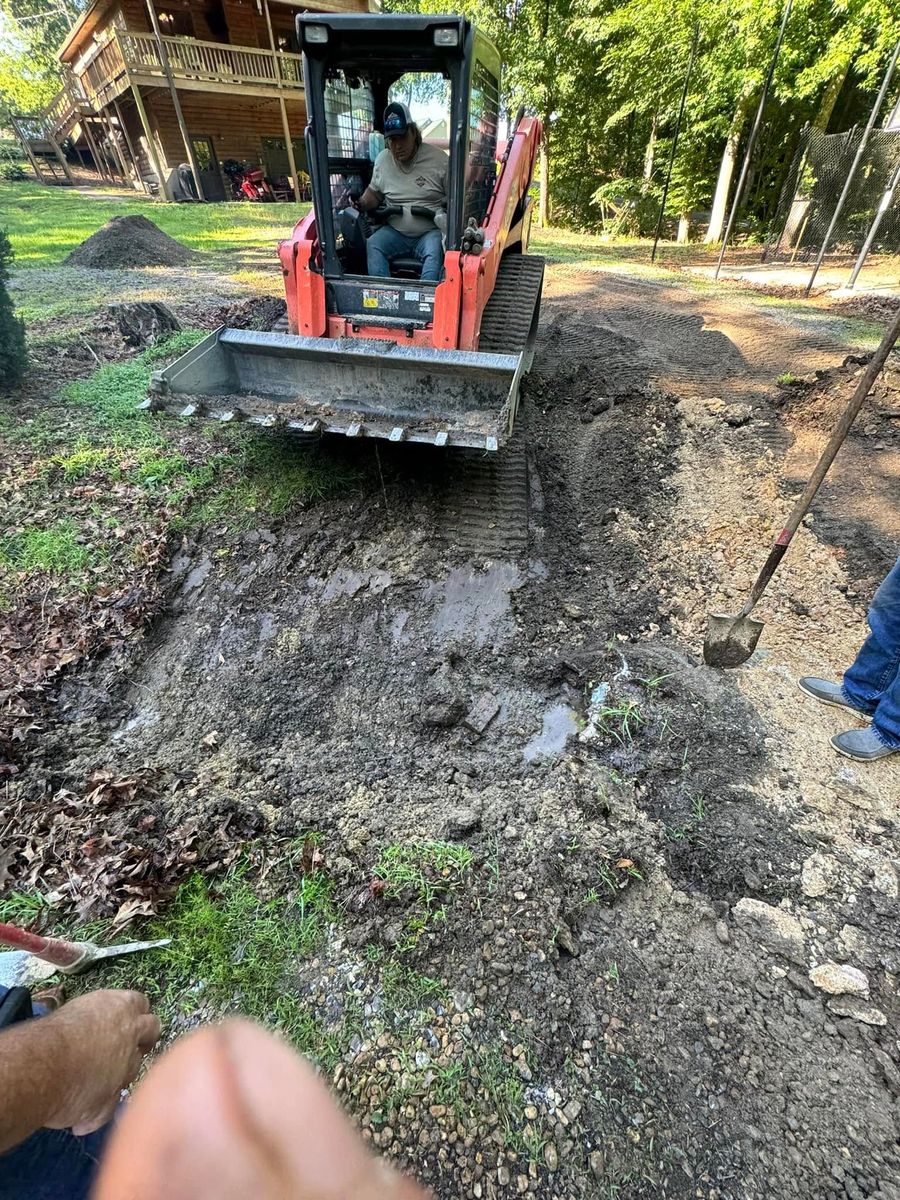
106	849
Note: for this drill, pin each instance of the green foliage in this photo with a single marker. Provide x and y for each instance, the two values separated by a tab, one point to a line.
29	69
606	77
55	548
12	163
233	951
423	875
13	358
46	224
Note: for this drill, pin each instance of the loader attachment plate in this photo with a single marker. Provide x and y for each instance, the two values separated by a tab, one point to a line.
356	386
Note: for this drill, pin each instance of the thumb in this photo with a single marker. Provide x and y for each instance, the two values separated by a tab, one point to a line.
231	1112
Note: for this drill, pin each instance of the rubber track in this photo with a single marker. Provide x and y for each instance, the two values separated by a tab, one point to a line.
506	322
486	510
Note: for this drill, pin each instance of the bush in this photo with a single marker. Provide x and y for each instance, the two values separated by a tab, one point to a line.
12	171
12	330
12	168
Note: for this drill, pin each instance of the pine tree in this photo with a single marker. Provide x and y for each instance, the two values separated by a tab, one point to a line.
12	330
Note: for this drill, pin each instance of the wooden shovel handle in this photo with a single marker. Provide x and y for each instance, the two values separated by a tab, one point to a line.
801	508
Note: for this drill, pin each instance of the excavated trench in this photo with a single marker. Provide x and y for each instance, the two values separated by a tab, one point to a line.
505	655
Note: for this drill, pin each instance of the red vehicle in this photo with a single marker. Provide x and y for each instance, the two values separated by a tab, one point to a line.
247	181
395	357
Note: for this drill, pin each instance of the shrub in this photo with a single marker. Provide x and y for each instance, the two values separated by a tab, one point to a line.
12	171
12	168
12	330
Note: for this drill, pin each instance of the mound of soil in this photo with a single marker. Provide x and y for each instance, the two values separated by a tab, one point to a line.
129	242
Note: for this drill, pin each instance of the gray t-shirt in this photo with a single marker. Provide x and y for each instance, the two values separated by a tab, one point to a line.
421	181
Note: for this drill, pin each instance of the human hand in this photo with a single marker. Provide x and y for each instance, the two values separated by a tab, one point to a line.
100	1040
232	1112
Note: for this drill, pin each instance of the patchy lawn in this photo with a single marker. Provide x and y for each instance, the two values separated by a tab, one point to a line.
46	223
94	490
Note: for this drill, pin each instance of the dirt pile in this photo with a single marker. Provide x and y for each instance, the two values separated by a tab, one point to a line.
129	242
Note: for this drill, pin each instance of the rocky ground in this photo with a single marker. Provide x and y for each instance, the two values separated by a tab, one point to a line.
607	923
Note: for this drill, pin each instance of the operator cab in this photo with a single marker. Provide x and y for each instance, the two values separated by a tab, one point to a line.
448	74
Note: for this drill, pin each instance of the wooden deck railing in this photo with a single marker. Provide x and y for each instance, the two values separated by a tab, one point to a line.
130	53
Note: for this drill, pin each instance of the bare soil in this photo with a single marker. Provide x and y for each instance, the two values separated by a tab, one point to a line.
358	669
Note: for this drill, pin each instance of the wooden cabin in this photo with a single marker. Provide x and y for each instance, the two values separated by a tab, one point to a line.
150	85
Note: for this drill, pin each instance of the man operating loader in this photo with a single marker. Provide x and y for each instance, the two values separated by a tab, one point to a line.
407	172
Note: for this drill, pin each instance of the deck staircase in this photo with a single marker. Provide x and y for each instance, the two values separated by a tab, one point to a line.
42	133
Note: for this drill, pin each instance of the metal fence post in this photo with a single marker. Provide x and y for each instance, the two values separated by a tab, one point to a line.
854	166
751	141
684	92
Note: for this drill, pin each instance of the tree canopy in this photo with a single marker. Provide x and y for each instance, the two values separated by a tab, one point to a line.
606	77
31	32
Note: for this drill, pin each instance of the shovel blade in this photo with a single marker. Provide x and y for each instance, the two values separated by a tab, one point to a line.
730	640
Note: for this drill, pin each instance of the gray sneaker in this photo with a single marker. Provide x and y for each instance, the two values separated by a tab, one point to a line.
862	744
829	693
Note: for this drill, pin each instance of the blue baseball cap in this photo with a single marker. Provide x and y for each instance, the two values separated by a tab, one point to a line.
396	120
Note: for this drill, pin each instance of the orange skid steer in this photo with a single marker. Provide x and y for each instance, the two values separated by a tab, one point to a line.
396	356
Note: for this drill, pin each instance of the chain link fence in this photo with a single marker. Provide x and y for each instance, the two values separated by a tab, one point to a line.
813	186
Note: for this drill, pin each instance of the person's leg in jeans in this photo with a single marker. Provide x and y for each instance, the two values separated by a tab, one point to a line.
873	682
384	244
430	249
52	1164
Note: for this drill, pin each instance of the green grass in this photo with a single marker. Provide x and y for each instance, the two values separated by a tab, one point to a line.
247	475
45	224
263	477
423	876
407	989
22	908
110	397
233	951
55	548
690	830
620	720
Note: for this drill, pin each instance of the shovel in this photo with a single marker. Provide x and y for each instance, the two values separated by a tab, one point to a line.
730	640
36	958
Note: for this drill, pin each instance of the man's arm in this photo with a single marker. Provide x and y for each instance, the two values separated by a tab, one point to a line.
66	1071
369	200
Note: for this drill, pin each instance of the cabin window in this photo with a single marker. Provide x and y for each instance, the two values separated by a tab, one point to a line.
481	170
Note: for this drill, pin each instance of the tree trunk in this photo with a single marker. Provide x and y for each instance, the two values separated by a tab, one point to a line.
726	168
650	152
684	229
544	176
830	98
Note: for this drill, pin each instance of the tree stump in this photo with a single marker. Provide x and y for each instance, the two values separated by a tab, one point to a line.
144	324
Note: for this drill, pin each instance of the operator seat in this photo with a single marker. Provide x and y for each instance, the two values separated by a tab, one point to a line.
406	266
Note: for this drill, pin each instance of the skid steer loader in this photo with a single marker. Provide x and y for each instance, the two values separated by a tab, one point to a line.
390	357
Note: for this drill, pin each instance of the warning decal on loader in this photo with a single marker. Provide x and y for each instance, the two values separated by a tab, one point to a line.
385	301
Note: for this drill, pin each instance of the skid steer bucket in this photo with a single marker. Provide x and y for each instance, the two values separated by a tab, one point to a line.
358	387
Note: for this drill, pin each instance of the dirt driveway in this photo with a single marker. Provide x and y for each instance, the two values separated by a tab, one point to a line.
643	858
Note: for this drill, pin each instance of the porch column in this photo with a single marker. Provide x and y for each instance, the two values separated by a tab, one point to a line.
176	103
151	144
92	145
113	141
289	146
62	158
26	146
99	158
135	165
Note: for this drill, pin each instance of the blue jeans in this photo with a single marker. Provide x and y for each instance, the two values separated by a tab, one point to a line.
387	243
52	1164
873	682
